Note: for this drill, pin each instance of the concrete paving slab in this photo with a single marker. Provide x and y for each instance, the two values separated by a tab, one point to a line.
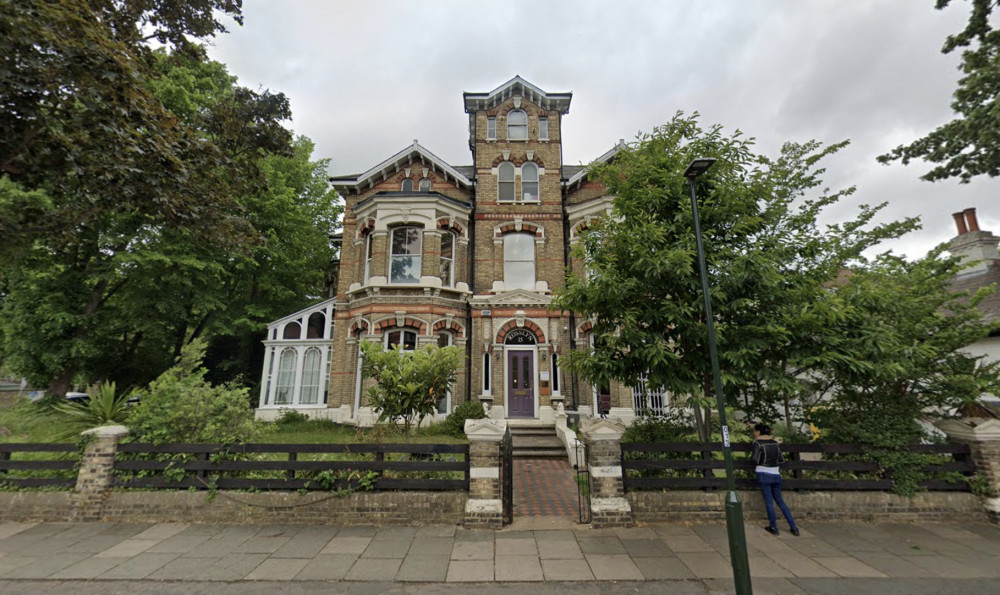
895	566
706	564
763	566
8	530
516	547
358	531
613	568
263	543
395	533
125	530
327	567
517	568
161	531
761	586
423	569
431	547
945	567
277	569
9	563
687	543
127	548
663	568
815	548
646	548
374	569
437	531
178	544
470	571
87	569
183	569
307	543
223	543
559	550
554	535
231	567
45	567
396	548
346	545
138	567
473	550
567	570
606	546
802	566
475	535
849	566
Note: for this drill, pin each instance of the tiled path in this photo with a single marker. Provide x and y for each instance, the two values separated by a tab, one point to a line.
545	487
175	552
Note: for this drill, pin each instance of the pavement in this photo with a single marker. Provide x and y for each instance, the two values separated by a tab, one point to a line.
535	555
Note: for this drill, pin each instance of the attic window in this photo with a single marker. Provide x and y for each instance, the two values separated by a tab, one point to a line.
407	185
517	125
425	185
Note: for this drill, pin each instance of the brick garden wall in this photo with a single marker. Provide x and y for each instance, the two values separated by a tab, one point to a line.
384	508
853	506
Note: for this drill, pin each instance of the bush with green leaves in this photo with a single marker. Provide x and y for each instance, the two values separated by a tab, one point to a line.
454	424
104	407
181	406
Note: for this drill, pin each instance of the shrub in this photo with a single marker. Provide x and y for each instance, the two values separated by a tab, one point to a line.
181	406
454	424
292	418
104	407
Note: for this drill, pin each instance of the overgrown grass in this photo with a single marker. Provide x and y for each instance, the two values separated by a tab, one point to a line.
320	431
24	421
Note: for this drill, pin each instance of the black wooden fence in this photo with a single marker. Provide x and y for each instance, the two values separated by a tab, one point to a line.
684	465
38	465
293	466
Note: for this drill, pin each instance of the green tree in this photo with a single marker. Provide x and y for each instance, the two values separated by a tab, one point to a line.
408	384
969	145
768	260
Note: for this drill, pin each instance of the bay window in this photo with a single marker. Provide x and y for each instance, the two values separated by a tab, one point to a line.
404	262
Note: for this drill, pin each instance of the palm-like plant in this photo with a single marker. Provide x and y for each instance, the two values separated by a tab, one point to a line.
104	407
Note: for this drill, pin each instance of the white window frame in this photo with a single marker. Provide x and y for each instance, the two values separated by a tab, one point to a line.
283	374
556	384
417	257
487	379
448	261
402	338
536	197
517	127
505	165
543	128
317	369
406	182
368	257
529	240
424	185
491	128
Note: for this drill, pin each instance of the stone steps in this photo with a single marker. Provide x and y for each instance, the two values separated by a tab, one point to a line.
536	441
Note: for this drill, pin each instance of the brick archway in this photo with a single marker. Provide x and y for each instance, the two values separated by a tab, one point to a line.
529	325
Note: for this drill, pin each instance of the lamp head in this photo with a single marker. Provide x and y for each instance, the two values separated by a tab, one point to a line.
698	167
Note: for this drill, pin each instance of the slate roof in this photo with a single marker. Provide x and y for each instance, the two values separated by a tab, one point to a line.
990	307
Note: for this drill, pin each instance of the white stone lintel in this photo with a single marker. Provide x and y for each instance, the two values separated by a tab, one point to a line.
106	432
971	430
474	506
485	430
484	473
607	471
609	505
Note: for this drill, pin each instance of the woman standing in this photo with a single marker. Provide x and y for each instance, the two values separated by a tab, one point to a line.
766	455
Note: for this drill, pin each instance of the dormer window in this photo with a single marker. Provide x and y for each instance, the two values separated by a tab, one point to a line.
505	181
517	125
491	128
407	185
529	182
425	185
543	129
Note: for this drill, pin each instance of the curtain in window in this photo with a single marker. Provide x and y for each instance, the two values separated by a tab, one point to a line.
517	125
284	389
311	373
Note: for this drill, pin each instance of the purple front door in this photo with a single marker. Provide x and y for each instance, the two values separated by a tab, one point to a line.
520	384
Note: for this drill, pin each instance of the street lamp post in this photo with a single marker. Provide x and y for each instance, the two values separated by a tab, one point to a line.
734	508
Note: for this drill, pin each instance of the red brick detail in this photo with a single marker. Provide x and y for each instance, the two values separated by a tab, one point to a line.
357	327
366	228
531	326
454	327
518	161
525	228
584	328
388	323
445	223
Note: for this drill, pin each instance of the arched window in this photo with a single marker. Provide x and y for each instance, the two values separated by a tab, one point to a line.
425	185
529	181
404	264
316	325
406	340
293	330
519	261
505	181
447	259
285	386
407	185
517	125
312	370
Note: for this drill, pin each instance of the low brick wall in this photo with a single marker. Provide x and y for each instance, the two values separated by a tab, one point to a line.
227	507
682	505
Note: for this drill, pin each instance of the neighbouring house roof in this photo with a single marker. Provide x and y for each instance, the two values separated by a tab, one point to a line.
414	153
518	86
990	307
579	172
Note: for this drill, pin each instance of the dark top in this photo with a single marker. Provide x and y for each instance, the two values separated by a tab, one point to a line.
766	453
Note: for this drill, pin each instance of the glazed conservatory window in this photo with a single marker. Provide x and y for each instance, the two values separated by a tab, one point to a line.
505	181
292	331
519	261
316	325
285	386
405	340
529	181
407	185
447	259
404	264
517	125
311	374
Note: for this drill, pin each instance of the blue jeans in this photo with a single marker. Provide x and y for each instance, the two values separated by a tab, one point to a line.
770	487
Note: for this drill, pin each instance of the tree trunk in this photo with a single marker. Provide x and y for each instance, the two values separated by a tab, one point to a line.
788	416
60	385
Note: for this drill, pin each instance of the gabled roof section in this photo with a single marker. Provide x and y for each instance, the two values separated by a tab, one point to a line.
318	306
517	86
579	174
414	154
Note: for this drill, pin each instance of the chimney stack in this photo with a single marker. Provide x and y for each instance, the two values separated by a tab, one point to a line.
973	245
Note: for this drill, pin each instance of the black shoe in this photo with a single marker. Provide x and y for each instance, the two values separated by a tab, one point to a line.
772	530
795	531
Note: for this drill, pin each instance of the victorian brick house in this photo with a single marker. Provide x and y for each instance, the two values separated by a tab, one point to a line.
465	255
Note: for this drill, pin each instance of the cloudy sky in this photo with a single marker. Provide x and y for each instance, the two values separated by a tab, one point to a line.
365	78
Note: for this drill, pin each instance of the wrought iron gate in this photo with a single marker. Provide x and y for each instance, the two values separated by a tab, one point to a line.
507	477
582	482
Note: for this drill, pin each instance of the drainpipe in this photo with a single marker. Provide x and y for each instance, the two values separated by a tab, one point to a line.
470	262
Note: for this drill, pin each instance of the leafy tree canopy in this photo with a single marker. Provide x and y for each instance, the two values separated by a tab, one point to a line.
969	145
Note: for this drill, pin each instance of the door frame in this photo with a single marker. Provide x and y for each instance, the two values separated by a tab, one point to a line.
506	377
